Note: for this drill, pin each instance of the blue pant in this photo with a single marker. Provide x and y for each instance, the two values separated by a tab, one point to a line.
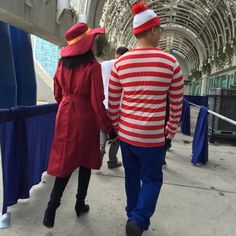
143	181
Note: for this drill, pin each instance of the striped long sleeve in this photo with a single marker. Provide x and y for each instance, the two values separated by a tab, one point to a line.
114	97
139	84
176	99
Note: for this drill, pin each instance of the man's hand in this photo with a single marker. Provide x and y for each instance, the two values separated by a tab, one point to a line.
168	134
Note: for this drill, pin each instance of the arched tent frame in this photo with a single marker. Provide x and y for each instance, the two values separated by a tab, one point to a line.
195	29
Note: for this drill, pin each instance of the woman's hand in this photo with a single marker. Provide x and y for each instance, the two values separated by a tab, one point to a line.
112	134
114	140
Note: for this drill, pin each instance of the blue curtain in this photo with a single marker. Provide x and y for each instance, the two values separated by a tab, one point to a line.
25	136
200	139
8	89
185	120
24	67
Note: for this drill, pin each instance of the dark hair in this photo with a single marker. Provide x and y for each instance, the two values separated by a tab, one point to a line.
142	35
74	61
121	50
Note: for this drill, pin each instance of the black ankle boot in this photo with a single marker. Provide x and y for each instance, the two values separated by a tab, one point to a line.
55	200
81	208
49	217
83	182
50	212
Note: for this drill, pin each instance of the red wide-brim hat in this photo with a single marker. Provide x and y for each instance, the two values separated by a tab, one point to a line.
79	39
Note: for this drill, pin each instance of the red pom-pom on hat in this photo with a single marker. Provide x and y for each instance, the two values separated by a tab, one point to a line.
138	7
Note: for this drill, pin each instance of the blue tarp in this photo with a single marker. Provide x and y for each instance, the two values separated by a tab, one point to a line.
200	138
25	136
185	120
198	100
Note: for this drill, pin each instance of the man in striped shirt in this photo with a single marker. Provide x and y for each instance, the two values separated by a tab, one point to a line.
139	84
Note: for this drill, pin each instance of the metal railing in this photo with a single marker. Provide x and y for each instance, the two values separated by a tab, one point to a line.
215	114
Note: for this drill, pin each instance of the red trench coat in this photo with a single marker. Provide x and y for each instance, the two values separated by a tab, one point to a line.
81	113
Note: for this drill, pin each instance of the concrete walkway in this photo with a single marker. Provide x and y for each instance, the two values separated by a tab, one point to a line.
194	201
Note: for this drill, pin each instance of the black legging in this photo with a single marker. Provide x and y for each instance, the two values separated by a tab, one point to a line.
60	185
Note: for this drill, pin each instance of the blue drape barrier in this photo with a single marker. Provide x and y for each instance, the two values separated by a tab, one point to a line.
185	120
200	139
25	136
8	90
198	100
24	67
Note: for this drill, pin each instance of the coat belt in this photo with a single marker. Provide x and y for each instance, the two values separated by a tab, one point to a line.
72	98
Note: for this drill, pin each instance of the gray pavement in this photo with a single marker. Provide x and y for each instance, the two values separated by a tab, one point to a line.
194	201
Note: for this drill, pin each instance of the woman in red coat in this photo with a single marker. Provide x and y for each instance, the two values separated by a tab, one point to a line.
78	89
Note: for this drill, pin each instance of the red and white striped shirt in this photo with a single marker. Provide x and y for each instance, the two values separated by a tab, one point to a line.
139	83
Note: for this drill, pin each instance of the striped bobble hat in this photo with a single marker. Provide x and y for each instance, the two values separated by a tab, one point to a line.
144	18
